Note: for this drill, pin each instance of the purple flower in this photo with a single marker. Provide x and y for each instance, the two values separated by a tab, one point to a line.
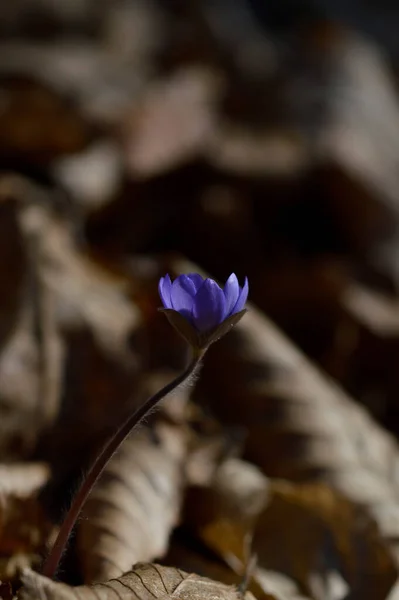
204	306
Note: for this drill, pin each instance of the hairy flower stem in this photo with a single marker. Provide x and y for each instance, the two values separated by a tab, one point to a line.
51	563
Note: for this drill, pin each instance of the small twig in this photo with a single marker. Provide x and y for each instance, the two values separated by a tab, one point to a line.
250	563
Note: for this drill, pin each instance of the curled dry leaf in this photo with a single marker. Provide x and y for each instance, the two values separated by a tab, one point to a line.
235	149
23	479
24	529
97	386
6	592
370	333
172	123
145	582
300	425
131	512
357	135
85	292
29	360
330	543
88	306
13	265
19	385
38	123
93	176
307	531
73	296
264	585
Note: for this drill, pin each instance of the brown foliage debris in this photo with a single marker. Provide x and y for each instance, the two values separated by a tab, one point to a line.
24	527
264	146
146	581
308	531
135	505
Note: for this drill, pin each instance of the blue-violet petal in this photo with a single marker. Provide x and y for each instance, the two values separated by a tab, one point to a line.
242	298
164	288
196	279
231	292
209	306
183	291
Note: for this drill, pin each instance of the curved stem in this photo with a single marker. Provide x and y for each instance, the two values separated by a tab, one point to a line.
52	561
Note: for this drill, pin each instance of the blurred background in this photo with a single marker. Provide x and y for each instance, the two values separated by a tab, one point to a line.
261	137
249	136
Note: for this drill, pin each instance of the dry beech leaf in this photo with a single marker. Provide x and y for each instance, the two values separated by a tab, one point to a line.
84	72
24	528
13	265
330	543
172	123
306	531
93	176
20	420
85	292
37	123
235	149
264	585
370	331
91	311
341	80
206	453
145	582
22	479
6	592
132	510
98	388
299	424
30	361
362	138
74	296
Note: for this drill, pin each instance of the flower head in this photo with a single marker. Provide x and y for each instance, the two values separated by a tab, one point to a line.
200	309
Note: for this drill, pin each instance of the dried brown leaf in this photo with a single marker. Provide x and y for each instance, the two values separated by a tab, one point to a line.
20	420
235	149
24	528
86	292
307	531
22	479
267	585
93	176
131	512
329	542
6	592
38	123
72	295
299	423
356	134
30	361
98	389
172	123
13	265
145	582
85	71
83	320
370	336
